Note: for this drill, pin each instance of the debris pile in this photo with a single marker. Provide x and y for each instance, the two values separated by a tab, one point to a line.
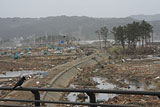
129	75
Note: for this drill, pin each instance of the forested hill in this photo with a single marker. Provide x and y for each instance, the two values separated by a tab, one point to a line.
80	27
147	17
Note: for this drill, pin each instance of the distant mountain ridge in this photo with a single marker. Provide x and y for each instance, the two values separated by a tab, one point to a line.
79	27
146	17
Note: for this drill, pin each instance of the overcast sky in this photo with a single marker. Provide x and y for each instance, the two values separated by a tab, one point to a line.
92	8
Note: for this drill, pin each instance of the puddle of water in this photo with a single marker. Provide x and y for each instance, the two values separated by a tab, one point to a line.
73	96
20	73
134	85
137	85
103	84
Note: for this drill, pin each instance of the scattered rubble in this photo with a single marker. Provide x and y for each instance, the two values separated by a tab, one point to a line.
129	75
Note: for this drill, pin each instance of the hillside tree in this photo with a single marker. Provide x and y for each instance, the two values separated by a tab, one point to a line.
119	35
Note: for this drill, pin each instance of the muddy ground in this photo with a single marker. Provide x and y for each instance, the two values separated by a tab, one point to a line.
34	63
116	72
146	71
42	63
53	64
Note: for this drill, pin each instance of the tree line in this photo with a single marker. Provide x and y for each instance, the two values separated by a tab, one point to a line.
133	34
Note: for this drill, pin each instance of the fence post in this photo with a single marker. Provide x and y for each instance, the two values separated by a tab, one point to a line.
36	97
92	98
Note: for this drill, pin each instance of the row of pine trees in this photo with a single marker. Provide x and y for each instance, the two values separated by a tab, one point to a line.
133	34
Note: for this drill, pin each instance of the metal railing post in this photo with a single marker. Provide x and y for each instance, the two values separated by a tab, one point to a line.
92	98
90	92
36	97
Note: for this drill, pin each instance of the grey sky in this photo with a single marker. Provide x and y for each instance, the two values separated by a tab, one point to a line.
93	8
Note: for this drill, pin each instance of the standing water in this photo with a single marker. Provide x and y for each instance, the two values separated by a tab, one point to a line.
20	73
103	84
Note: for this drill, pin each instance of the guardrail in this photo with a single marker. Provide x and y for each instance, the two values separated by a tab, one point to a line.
90	93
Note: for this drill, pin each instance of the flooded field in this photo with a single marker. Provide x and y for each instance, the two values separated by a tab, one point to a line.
103	84
119	76
20	74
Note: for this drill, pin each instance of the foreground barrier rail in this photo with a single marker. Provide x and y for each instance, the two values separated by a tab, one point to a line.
89	92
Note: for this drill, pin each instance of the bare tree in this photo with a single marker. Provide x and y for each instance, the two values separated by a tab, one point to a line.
99	37
104	34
